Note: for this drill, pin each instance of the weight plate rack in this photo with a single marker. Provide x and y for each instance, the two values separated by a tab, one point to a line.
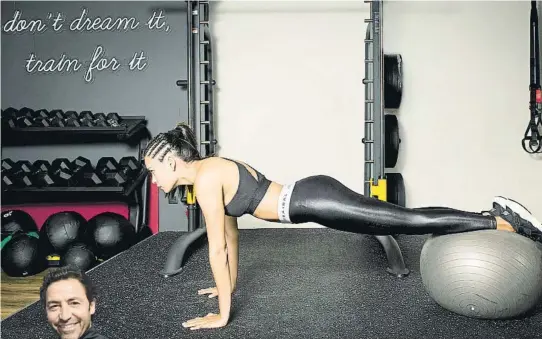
374	140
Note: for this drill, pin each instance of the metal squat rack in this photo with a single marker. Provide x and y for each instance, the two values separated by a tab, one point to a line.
201	118
199	87
374	140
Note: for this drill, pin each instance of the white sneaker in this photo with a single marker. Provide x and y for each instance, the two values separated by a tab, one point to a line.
519	217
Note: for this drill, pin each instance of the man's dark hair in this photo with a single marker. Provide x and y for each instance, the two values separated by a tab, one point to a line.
64	273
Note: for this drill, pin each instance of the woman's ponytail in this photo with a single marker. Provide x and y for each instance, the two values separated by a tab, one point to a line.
180	140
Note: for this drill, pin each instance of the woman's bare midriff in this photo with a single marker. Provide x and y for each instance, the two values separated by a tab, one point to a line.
268	207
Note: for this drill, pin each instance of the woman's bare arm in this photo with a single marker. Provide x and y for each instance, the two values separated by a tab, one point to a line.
209	192
232	242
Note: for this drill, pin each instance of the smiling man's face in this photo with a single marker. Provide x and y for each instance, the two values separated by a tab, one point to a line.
68	309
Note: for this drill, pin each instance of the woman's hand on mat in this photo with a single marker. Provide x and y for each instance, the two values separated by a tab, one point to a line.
212	291
211	320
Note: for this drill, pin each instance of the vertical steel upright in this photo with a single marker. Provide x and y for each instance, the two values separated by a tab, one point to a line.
374	141
200	118
202	64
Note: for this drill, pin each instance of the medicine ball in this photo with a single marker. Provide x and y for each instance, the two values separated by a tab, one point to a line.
21	255
17	221
109	234
60	230
78	255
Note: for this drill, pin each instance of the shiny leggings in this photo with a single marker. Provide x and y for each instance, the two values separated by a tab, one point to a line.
324	200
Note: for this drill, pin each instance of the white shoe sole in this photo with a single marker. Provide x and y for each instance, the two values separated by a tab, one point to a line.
519	209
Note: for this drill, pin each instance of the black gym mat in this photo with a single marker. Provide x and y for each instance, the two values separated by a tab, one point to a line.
293	283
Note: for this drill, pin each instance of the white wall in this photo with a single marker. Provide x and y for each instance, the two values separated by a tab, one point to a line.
290	96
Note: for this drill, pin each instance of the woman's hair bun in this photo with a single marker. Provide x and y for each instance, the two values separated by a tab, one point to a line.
181	125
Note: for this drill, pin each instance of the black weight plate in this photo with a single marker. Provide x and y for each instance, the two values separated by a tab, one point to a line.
391	140
393	80
396	189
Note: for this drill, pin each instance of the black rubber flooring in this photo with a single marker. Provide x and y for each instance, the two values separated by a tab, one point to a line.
293	283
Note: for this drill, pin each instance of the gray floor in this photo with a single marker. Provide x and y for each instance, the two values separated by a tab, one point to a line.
293	283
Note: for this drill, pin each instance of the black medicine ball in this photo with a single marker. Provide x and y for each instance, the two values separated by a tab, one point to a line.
17	221
61	230
78	255
21	255
109	234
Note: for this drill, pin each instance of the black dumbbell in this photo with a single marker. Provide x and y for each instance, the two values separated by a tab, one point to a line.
57	113
71	119
26	169
42	165
41	176
7	115
20	122
41	122
70	114
113	119
100	119
100	116
14	118
86	115
18	174
62	172
25	165
86	119
107	165
57	122
10	112
111	172
41	113
87	123
8	164
8	180
26	112
83	173
73	122
57	174
130	166
8	177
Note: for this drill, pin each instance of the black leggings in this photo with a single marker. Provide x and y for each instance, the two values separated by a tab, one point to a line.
326	201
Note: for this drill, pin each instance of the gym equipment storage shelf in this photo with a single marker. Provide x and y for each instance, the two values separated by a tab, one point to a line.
130	128
14	196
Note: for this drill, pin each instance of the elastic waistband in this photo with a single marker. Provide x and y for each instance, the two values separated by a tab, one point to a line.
284	203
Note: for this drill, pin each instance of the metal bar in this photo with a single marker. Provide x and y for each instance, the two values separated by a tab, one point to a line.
369	101
196	18
206	67
189	63
378	107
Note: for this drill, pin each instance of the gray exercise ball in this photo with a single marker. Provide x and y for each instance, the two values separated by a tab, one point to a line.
483	274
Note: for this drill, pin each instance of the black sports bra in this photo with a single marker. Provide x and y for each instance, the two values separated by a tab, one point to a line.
250	192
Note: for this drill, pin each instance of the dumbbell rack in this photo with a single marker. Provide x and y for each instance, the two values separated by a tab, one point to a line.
132	127
132	130
201	118
374	125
